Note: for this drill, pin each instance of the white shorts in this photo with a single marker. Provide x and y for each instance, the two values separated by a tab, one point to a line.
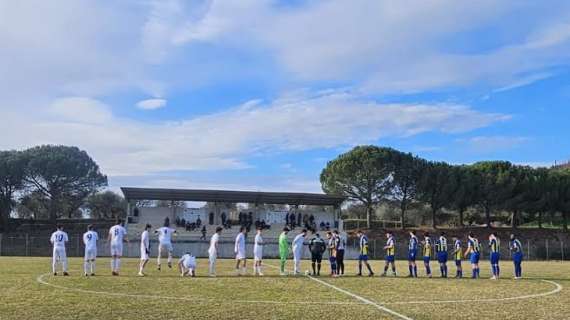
90	254
258	255
59	253
212	256
191	266
165	247
116	249
144	254
240	255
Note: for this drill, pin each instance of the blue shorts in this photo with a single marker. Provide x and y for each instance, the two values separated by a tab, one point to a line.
495	257
427	259
390	258
411	256
363	257
474	259
458	263
332	260
442	257
517	257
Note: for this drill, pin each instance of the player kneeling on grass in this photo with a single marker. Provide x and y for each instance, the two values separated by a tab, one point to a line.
90	240
495	256
258	252
145	249
517	250
187	265
117	234
298	244
58	240
317	247
363	256
390	248
239	250
165	242
473	248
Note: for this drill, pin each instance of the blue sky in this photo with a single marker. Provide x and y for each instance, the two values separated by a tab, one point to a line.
259	94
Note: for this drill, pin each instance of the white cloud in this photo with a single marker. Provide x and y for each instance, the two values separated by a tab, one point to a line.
224	140
488	144
151	104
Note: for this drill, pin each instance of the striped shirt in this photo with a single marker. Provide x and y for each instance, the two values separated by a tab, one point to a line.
474	245
363	245
441	244
427	247
458	252
494	245
413	246
516	245
390	247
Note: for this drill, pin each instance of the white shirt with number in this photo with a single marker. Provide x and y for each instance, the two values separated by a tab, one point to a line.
165	235
90	240
213	251
188	261
118	233
58	239
258	247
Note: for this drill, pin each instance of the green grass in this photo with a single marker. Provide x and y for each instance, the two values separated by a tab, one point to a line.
164	295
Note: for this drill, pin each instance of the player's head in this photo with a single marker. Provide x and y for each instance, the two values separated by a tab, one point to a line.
219	230
317	235
59	226
426	234
335	232
286	230
259	229
119	221
442	234
167	222
359	233
413	233
90	227
492	235
388	234
148	226
471	235
513	236
304	231
242	229
329	234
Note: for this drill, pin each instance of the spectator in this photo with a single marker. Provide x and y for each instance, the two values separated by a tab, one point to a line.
240	219
299	218
306	221
292	220
198	222
311	219
223	218
203	237
177	221
322	225
328	226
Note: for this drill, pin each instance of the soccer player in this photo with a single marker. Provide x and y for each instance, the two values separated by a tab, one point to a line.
187	265
213	252
258	252
165	242
117	234
495	256
473	248
58	240
517	249
298	243
441	250
332	246
390	248
412	252
363	256
458	255
239	250
145	249
340	252
427	245
317	247
90	241
283	250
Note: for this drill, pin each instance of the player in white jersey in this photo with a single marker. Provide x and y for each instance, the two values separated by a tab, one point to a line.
258	252
187	265
165	242
145	249
298	243
239	250
58	240
213	252
117	234
90	239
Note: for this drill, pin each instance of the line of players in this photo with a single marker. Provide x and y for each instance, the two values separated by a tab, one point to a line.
440	246
335	245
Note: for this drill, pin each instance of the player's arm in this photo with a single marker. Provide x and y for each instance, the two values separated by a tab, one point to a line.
180	266
109	237
52	239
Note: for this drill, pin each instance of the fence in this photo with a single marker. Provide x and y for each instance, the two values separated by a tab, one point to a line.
26	245
374	224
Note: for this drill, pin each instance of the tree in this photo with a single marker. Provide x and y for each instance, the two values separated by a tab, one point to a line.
64	175
11	181
407	173
362	174
435	187
559	197
106	205
464	194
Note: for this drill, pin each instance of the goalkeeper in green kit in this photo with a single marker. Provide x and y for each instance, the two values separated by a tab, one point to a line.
283	249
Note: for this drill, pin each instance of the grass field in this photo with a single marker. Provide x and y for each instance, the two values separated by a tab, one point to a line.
28	291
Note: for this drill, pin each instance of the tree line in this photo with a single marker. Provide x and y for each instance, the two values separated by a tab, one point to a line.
51	181
372	175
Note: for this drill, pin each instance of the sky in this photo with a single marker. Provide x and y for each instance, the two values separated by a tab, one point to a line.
260	94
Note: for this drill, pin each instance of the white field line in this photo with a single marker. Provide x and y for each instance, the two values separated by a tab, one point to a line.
357	297
40	279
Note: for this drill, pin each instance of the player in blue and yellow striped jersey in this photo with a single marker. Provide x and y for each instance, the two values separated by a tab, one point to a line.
441	251
427	247
390	248
473	248
363	257
457	256
517	250
495	255
412	252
